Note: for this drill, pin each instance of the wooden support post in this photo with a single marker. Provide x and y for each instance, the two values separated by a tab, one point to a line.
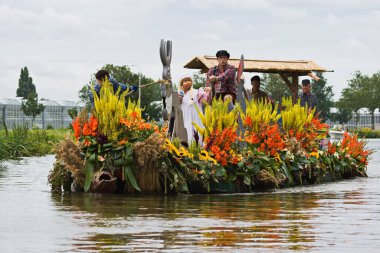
293	85
295	88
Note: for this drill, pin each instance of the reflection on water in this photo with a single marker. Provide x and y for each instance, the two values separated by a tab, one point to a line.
342	216
238	221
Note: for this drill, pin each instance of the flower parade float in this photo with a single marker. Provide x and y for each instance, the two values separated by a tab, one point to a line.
114	150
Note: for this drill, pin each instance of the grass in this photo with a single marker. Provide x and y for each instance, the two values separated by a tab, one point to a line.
368	133
23	142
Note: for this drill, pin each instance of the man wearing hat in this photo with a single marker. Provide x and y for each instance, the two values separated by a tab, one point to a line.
221	79
258	94
307	97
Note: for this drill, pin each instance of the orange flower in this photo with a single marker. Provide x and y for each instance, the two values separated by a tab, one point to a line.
76	127
93	124
219	143
248	122
134	114
268	139
331	148
87	142
86	129
122	142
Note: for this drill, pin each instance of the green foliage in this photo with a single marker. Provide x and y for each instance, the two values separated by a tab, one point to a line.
199	80
31	107
22	142
362	91
275	86
73	112
368	133
59	178
324	95
84	93
343	114
25	84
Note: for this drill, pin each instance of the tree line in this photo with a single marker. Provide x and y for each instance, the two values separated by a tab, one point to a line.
362	91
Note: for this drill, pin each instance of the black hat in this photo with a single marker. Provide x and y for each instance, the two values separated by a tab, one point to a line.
222	53
305	82
255	78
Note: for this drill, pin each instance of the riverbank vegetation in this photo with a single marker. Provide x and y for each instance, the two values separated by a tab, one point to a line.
23	142
367	133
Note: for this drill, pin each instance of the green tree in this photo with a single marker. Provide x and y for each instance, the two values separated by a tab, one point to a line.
199	80
367	92
25	84
274	86
149	94
84	94
372	95
324	95
31	107
73	112
343	115
362	92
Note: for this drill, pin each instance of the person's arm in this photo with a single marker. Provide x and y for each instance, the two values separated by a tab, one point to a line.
209	73
133	88
229	73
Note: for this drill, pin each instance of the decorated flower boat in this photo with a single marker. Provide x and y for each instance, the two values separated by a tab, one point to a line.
114	150
252	147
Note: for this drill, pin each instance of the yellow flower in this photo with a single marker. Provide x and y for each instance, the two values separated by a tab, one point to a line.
204	156
277	157
314	154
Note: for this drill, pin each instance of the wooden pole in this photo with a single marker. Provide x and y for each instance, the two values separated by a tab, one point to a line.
295	88
293	85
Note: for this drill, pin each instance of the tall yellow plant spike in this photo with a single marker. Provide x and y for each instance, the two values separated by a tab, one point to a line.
134	107
261	113
217	117
295	116
109	108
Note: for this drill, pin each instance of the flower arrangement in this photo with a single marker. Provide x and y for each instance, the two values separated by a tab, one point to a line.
116	138
267	140
107	135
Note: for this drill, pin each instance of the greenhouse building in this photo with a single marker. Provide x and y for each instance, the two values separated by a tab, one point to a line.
55	114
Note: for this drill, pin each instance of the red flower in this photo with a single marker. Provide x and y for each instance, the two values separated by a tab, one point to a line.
86	129
93	124
76	128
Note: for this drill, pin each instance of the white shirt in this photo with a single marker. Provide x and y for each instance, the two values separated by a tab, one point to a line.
190	113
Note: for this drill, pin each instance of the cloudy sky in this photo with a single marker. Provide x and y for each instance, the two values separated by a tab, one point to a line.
63	42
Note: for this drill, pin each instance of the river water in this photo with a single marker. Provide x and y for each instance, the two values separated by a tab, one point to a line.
336	217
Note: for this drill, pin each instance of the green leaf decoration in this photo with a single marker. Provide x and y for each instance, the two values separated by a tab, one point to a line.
131	178
89	172
284	169
247	180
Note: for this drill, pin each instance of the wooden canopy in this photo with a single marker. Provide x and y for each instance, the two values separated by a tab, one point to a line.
300	67
285	69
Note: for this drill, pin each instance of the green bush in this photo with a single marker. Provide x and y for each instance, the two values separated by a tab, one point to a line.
22	142
368	133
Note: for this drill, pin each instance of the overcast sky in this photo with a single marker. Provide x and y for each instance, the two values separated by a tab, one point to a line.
63	42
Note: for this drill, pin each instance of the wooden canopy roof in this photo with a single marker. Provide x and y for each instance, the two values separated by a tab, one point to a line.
298	68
